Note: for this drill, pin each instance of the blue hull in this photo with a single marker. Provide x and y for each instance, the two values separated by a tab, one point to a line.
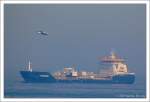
37	76
45	77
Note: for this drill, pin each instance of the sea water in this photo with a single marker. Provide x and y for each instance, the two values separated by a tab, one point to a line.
19	89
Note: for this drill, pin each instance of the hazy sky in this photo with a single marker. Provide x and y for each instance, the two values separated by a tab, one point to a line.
78	34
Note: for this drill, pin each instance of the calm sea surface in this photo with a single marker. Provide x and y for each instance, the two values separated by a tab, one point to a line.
19	89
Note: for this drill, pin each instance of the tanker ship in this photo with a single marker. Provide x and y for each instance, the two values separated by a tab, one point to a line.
118	75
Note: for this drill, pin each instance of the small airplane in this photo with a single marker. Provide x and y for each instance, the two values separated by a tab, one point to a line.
43	33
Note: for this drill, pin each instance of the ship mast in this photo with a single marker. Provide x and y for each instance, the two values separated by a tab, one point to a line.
29	67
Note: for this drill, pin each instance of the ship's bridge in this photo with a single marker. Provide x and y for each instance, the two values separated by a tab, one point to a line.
113	58
118	65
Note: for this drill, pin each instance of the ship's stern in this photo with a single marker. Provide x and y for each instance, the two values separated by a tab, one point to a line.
128	78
